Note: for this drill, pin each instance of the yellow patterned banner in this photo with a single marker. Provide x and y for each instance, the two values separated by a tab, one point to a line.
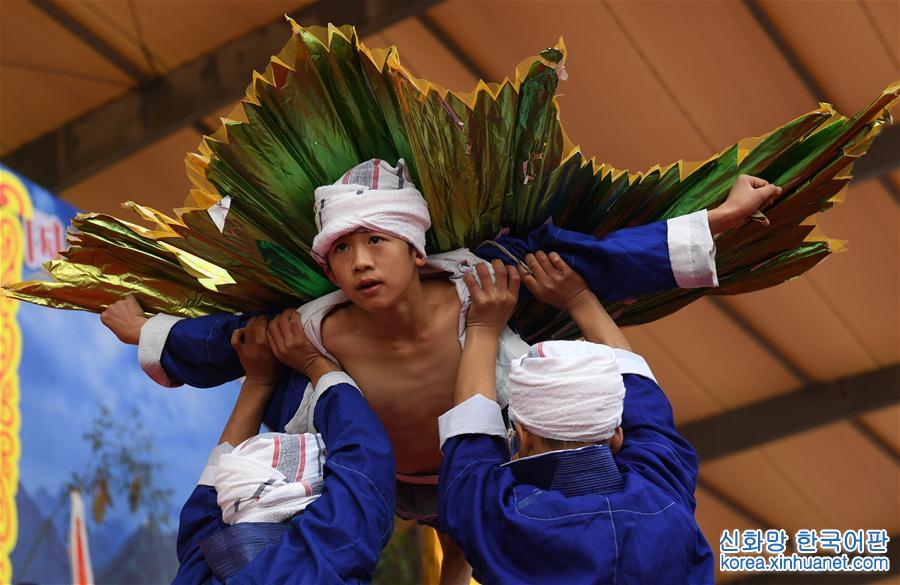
15	208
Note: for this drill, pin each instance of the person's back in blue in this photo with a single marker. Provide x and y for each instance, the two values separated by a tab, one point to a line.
275	508
602	490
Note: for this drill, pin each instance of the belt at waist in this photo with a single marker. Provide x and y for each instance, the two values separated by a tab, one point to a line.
418	479
230	549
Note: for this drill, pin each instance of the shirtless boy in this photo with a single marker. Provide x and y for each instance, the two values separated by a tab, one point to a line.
397	322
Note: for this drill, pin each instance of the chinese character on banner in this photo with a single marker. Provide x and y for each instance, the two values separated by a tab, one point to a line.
44	238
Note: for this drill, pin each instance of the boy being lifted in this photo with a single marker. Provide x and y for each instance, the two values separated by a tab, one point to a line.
398	321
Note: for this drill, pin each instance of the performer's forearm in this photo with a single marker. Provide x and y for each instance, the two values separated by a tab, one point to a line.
720	220
246	417
318	367
476	367
595	323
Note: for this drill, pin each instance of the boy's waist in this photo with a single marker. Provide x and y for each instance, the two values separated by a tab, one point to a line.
418	478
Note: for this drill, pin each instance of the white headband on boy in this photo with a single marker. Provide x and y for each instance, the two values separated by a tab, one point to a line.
568	391
270	477
372	196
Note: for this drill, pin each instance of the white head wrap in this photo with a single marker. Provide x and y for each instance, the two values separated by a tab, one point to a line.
567	390
270	477
373	196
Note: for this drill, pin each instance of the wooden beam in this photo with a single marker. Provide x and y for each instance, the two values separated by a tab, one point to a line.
884	154
155	108
781	416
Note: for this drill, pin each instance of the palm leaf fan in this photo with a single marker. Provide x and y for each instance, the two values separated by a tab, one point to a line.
495	158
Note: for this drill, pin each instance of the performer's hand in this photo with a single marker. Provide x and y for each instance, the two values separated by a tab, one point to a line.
747	196
252	347
552	281
293	348
261	369
125	318
492	303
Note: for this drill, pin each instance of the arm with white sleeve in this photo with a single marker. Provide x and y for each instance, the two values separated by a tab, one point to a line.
201	515
664	255
339	537
648	425
677	253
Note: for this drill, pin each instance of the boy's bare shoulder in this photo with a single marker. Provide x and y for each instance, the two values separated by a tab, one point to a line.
439	288
339	327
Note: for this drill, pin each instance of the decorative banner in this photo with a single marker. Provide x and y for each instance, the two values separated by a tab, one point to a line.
15	209
77	413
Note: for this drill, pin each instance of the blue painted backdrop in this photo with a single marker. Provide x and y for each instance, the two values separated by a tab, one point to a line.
71	366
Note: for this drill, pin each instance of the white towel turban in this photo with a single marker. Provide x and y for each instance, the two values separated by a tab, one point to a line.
567	390
270	477
373	196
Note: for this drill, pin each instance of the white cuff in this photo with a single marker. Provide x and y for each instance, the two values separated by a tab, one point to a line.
302	421
632	363
476	416
208	477
511	348
692	250
332	379
151	344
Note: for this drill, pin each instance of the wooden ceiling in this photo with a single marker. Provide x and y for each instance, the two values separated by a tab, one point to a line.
649	82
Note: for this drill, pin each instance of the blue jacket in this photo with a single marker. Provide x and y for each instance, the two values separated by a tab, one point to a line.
576	516
631	261
336	539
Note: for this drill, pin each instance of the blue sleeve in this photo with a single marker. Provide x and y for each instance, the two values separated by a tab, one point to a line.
360	457
652	447
626	263
339	537
198	351
470	491
285	400
199	518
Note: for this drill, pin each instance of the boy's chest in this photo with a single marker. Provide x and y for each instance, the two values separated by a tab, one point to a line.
411	378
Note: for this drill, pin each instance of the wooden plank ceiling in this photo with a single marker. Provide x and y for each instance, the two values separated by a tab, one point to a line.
648	82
